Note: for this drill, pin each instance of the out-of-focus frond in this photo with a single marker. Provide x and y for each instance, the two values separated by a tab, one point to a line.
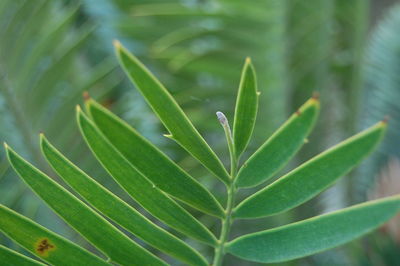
382	94
42	76
42	72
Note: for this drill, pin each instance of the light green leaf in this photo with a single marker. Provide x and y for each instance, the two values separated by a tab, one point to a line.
312	177
314	235
246	108
14	258
170	114
152	163
92	226
43	243
280	147
117	210
139	187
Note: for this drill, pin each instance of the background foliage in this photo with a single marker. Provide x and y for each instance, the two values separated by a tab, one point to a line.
346	50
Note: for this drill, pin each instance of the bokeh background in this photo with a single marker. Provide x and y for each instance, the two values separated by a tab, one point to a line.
51	51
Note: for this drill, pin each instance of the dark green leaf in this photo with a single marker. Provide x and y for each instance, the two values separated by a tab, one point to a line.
14	258
117	210
280	147
246	108
312	177
152	163
170	114
314	235
92	226
42	242
139	187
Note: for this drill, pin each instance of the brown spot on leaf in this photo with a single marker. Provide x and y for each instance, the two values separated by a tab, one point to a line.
298	112
43	246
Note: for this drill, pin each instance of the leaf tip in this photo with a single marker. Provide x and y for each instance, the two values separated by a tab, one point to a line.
78	108
314	100
42	137
5	145
385	120
315	96
86	96
117	44
248	60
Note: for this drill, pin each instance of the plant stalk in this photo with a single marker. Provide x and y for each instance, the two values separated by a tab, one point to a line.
227	221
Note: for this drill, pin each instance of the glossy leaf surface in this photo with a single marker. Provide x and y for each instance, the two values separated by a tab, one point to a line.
312	177
314	235
152	163
92	226
139	187
117	210
169	112
246	108
280	147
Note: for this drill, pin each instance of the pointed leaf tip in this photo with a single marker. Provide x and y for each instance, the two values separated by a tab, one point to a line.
315	95
385	120
117	44
86	96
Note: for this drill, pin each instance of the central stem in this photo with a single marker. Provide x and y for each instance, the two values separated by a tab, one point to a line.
227	221
226	225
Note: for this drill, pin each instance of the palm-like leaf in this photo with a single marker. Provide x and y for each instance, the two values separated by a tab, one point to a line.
382	91
107	137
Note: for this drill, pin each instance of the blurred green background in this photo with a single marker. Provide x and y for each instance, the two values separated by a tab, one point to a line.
347	50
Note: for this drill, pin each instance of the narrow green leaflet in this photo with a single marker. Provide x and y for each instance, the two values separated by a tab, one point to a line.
92	226
312	177
152	163
246	108
117	210
43	243
14	258
280	147
139	187
169	112
314	235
